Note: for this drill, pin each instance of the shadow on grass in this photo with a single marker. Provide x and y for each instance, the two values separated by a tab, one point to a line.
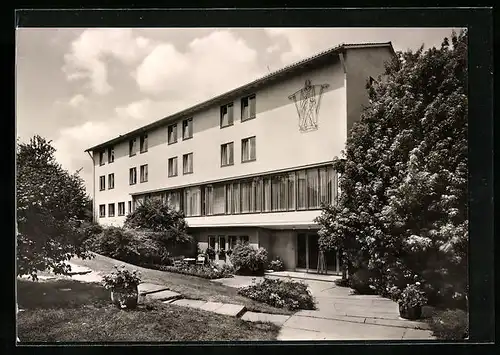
60	294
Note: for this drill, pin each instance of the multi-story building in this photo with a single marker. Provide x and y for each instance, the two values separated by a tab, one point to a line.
252	164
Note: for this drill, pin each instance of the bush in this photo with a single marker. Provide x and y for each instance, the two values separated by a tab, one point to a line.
211	272
248	260
451	324
360	282
280	293
342	282
277	264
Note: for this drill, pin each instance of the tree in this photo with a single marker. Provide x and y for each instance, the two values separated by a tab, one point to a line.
50	210
167	223
403	210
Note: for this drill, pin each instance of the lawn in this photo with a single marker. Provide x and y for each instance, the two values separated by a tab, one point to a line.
73	311
191	287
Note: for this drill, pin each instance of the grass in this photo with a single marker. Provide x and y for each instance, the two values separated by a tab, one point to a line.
191	287
72	311
449	324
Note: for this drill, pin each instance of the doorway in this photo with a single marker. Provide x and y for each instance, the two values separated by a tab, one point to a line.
308	254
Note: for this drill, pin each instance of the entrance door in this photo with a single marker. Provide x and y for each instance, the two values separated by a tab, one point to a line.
313	250
302	251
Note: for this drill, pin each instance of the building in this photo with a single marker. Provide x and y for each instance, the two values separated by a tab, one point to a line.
252	164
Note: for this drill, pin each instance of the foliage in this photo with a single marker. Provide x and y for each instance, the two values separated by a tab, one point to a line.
51	206
277	264
138	247
360	282
210	253
342	282
156	216
413	296
248	260
280	293
211	272
121	278
450	324
403	210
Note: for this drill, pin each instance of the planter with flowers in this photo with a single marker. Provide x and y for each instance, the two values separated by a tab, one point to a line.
124	287
411	301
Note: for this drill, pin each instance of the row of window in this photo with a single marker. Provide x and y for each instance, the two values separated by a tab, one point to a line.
248	151
299	190
111	209
219	242
248	111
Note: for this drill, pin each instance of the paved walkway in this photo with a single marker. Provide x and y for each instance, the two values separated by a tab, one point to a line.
338	315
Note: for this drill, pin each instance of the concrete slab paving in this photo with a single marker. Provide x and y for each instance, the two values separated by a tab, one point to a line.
189	303
336	330
301	334
163	295
398	323
145	288
416	334
277	319
211	306
228	309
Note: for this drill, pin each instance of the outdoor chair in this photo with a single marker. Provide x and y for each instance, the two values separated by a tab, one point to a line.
178	260
201	259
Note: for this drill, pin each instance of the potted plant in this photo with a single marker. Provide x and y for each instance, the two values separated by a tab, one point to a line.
124	287
411	301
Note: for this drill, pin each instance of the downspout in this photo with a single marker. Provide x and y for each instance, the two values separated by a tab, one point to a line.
93	187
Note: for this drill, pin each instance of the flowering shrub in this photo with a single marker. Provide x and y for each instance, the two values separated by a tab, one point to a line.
211	271
413	296
277	264
121	278
280	293
248	260
450	324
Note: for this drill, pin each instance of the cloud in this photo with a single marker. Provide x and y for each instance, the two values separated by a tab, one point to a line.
87	57
211	65
273	48
302	42
147	110
77	100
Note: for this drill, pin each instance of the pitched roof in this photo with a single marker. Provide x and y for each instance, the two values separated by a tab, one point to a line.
266	79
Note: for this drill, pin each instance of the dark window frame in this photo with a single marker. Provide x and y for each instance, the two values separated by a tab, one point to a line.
176	137
102	211
169	172
111	187
184	161
130	174
228	144
143	168
143	143
121	211
243	140
102	182
227	106
132	148
187	120
250	117
111	155
111	209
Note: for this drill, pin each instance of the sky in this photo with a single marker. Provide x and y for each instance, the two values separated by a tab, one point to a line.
79	87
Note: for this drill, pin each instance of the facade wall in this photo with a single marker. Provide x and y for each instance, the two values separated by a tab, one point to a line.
279	143
285	246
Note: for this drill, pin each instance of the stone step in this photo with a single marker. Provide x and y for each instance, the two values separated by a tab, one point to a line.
278	319
163	295
147	288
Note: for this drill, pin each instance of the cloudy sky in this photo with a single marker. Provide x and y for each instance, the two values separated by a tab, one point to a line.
79	87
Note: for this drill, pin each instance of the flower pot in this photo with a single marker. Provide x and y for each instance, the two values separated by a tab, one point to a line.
409	312
125	297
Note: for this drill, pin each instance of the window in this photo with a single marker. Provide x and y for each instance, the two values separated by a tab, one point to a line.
236	198
102	211
187	129
192	201
291	191
129	206
313	188
215	199
102	182
144	143
267	194
132	176
233	240
226	154
248	108
173	199
211	241
279	191
101	158
121	208
301	190
257	187
132	147
248	149
172	134
111	210
226	115
144	173
332	186
111	181
111	154
247	197
187	163
172	167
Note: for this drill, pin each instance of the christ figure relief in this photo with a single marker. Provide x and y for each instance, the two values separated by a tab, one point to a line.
307	102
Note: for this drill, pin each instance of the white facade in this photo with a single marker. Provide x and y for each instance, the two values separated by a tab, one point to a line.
280	146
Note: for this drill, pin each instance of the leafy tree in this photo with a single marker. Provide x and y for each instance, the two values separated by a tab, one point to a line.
50	210
157	217
403	211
